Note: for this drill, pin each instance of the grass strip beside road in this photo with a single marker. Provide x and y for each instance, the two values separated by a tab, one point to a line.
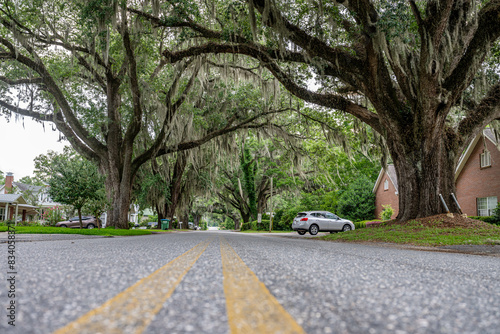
251	308
132	310
415	233
84	231
253	231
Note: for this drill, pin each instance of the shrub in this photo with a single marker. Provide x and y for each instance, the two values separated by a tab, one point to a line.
486	219
263	226
203	225
387	213
246	226
361	224
358	201
366	223
52	215
26	223
495	219
228	224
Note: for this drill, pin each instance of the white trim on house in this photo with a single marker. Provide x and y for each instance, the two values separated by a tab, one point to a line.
379	178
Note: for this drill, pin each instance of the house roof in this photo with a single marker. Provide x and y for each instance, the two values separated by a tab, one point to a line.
12	198
25	187
487	133
391	172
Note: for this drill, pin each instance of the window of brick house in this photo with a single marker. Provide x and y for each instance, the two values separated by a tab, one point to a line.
486	205
485	159
386	184
2	213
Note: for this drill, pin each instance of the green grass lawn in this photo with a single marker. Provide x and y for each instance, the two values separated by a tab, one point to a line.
416	233
63	230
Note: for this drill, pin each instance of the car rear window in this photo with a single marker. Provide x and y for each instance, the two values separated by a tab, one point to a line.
301	214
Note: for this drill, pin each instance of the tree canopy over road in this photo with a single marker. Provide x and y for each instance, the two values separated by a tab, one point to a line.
422	74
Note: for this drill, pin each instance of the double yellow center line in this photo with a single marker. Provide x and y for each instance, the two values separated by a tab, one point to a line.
251	308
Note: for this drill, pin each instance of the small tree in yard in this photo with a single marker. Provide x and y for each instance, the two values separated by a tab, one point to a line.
75	181
98	205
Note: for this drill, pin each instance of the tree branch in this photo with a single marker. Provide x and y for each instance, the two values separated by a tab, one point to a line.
135	123
326	100
172	109
486	111
37	66
36	81
58	120
487	32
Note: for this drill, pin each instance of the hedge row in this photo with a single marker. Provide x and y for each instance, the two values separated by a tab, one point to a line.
487	219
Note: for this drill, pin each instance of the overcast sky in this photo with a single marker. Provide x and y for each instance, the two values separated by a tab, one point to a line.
20	145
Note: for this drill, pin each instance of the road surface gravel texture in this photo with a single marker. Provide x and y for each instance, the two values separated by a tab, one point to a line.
322	287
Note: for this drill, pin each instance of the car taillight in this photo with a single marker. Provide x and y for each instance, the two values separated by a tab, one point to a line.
304	219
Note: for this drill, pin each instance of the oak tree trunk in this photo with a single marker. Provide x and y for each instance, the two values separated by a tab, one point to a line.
175	186
425	168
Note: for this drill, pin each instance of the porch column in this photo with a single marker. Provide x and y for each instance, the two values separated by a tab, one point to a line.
15	216
6	212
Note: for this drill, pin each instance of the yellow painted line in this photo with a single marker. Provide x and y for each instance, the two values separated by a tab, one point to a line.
251	308
133	309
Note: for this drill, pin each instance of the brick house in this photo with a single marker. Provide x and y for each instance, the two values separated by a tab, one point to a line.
477	176
477	179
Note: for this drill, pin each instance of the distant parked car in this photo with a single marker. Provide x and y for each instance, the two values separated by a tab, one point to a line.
320	221
87	222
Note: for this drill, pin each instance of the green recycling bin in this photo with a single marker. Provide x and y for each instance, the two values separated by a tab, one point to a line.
165	223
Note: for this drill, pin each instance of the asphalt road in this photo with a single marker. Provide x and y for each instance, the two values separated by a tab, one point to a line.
220	282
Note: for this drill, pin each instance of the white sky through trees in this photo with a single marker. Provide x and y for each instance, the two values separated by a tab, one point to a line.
20	145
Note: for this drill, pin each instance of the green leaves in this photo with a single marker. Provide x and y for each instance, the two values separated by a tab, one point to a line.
358	201
74	181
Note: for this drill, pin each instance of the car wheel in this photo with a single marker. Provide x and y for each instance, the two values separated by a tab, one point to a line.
63	225
90	226
301	232
346	228
314	229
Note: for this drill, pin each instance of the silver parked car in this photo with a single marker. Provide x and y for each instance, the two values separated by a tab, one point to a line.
320	221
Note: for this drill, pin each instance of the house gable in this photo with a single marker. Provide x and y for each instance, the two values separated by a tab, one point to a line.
386	191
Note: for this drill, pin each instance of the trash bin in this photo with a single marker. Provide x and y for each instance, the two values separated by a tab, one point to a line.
165	223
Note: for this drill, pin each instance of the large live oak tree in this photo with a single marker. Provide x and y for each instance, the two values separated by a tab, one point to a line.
402	67
100	78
